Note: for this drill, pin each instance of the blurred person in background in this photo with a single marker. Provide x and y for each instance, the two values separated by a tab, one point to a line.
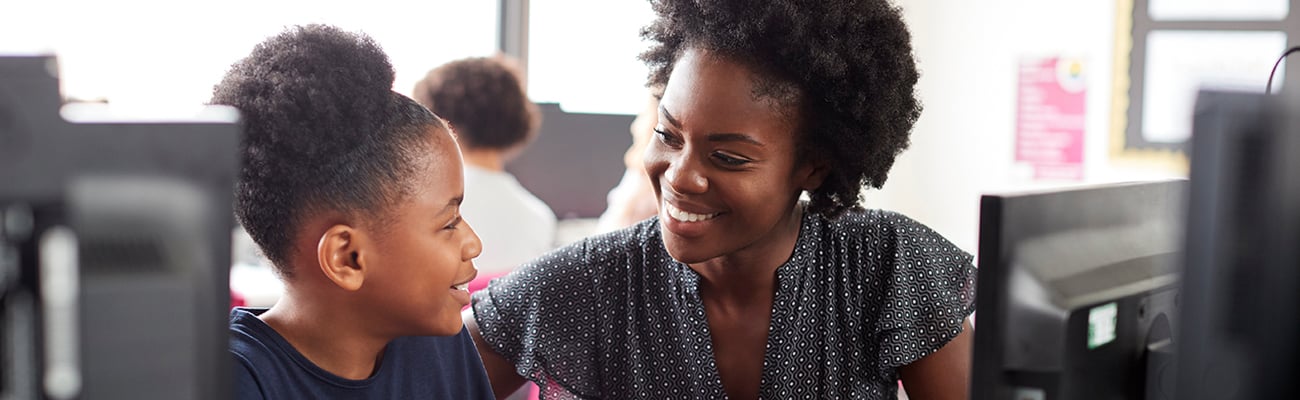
633	199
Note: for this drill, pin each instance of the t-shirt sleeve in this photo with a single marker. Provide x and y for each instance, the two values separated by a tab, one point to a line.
456	363
246	385
542	318
928	293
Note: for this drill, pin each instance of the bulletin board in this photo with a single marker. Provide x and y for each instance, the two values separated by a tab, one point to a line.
1165	50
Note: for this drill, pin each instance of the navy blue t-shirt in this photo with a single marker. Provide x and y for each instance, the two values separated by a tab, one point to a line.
415	367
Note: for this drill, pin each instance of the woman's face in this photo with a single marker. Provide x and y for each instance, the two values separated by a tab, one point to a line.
723	163
424	255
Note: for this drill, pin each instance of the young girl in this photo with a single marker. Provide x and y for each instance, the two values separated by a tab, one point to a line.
352	191
737	289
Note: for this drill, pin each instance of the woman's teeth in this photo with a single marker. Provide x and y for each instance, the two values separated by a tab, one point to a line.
463	286
683	216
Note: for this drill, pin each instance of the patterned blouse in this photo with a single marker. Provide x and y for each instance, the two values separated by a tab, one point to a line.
614	317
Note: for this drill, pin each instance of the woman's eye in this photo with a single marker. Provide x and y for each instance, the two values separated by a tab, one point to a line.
666	137
729	160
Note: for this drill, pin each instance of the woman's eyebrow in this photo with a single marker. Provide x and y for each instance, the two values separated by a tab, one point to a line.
714	137
733	137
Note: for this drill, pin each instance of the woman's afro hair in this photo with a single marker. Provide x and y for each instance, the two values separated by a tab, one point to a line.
484	101
323	131
849	64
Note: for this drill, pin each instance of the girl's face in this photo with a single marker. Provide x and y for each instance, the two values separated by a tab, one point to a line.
724	162
424	254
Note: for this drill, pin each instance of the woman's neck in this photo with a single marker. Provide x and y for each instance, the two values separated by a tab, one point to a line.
327	336
751	271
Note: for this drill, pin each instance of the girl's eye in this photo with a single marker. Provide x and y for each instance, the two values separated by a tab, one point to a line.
454	223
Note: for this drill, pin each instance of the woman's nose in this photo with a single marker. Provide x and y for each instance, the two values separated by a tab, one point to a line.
685	175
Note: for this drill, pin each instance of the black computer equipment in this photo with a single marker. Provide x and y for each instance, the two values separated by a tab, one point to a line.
576	159
1241	308
1077	292
114	248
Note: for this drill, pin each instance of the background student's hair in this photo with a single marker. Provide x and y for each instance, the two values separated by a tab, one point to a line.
485	101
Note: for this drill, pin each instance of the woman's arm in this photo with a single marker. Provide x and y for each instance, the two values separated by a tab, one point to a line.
501	373
942	375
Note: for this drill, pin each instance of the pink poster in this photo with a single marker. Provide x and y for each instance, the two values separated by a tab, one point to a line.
1050	117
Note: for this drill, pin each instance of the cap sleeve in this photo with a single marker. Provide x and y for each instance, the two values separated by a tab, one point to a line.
542	317
928	292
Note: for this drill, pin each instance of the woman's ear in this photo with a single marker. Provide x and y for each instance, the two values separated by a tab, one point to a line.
814	174
339	256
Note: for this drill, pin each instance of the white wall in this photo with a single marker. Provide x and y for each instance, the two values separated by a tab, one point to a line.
968	53
592	66
159	58
150	56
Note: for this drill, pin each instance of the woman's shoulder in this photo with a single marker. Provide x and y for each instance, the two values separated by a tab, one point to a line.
635	238
877	222
889	234
595	255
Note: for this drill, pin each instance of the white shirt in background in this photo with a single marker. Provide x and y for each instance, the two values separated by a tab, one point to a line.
514	225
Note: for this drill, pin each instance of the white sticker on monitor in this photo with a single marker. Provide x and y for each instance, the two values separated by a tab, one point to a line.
1102	321
1029	393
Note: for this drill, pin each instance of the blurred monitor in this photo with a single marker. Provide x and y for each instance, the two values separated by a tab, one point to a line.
576	159
114	247
1241	327
1077	292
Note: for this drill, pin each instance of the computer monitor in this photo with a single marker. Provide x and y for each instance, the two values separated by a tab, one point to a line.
1076	292
576	159
1241	328
114	248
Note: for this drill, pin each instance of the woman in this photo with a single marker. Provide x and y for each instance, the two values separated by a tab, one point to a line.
738	288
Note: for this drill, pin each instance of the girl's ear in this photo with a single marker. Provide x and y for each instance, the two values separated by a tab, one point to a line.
339	255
